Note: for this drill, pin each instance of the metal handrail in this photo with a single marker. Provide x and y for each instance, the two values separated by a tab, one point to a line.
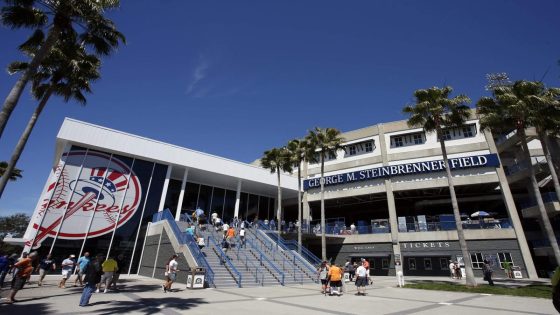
247	261
186	239
225	259
310	257
262	257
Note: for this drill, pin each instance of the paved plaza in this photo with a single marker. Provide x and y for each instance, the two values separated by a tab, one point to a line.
144	296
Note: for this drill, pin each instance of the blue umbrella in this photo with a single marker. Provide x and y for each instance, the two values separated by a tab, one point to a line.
480	214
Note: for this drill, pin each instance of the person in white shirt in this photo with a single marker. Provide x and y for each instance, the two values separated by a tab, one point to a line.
170	273
352	228
242	237
361	279
452	269
400	275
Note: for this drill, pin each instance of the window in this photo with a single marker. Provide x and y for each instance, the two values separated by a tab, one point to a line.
412	263
385	263
447	134
504	257
477	260
427	264
417	138
467	132
443	264
369	146
398	141
352	150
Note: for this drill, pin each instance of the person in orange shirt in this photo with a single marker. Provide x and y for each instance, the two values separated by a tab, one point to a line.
25	268
335	279
230	233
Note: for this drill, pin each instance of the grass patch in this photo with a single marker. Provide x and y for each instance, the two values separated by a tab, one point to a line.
539	291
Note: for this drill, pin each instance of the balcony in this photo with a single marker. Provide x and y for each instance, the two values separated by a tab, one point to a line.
529	208
520	171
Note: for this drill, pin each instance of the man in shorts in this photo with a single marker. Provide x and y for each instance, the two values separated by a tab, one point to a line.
25	268
361	279
45	266
67	267
82	265
121	263
109	267
335	279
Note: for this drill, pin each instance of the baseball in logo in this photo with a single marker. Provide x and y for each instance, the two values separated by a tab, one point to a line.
107	194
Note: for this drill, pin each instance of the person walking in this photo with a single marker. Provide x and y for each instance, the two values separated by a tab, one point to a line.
121	266
323	273
109	267
399	273
24	270
335	279
230	234
82	264
452	269
170	273
361	279
67	267
487	271
242	237
92	276
45	266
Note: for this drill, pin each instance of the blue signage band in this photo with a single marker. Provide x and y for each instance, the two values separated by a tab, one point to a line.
476	161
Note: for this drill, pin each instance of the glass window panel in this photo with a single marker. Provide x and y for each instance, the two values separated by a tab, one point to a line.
229	206
218	202
172	196
190	198
253	207
243	204
204	198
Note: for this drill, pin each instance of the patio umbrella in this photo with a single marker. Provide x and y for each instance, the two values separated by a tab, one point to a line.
480	214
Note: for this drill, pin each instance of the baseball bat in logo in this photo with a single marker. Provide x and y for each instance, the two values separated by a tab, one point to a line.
107	194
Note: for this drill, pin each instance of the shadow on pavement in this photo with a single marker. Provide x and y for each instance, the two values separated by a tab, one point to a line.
150	305
34	308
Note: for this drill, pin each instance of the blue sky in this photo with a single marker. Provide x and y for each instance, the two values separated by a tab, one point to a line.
235	78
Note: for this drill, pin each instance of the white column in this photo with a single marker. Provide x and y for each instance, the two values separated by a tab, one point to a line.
237	199
181	195
165	186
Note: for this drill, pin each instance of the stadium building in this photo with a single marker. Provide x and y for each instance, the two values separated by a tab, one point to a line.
386	197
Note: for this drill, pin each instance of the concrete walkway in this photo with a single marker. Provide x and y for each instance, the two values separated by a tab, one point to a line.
144	296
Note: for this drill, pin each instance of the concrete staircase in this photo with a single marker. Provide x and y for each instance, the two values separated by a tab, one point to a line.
244	260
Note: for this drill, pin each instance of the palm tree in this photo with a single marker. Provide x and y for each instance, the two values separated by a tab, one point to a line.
298	150
67	71
327	141
277	160
15	174
518	107
434	111
52	20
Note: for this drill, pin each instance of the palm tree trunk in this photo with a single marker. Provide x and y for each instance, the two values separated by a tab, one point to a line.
544	144
299	207
323	236
23	140
544	216
279	210
14	95
471	282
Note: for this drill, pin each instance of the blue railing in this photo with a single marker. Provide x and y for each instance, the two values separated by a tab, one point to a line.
306	253
263	259
224	259
188	240
273	242
546	197
248	263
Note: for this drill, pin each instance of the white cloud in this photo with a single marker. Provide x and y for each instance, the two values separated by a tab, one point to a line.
199	73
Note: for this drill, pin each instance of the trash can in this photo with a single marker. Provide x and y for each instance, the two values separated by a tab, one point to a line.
195	280
517	272
346	277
